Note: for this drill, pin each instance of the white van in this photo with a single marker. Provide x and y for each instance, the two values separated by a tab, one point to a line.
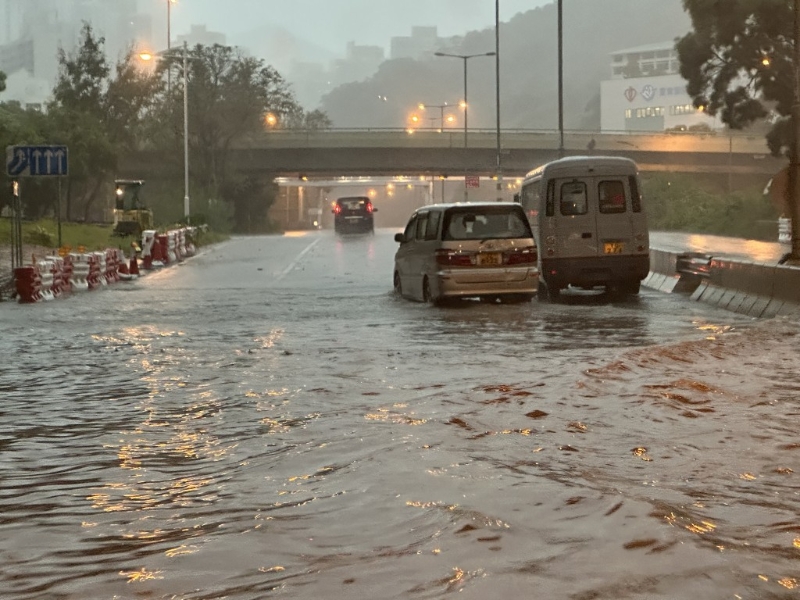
589	224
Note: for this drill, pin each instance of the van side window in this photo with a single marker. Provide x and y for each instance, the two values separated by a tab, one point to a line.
422	226
411	228
636	196
573	199
611	195
551	195
433	224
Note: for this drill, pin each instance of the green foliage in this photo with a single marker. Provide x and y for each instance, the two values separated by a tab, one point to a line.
676	203
2	81
38	236
738	61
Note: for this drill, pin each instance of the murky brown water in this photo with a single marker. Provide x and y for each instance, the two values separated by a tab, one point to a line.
268	420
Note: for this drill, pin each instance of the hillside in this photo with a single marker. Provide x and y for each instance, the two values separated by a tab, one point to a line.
529	68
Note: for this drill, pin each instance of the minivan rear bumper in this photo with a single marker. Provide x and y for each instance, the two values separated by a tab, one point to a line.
595	270
466	283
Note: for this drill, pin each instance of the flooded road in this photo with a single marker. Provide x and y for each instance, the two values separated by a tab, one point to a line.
269	420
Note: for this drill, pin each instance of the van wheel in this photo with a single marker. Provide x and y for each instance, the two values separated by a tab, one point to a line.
553	293
398	286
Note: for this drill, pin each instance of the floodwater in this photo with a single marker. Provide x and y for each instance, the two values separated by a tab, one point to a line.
269	420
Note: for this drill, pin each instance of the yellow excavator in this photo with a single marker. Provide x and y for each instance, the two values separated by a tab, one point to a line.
131	216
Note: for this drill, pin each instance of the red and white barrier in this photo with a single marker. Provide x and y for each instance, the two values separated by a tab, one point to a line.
52	276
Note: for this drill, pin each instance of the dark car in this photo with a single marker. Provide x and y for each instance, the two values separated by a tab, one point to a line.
354	215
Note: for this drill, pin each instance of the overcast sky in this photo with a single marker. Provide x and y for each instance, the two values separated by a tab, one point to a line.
332	23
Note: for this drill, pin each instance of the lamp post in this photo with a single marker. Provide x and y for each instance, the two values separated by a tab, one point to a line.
465	58
560	80
441	108
146	57
498	166
186	203
794	167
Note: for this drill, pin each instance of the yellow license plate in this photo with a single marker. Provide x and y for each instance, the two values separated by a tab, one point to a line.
613	247
490	258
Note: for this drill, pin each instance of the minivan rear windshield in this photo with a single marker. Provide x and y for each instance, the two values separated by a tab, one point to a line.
483	223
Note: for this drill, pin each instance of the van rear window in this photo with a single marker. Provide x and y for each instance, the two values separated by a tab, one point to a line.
611	195
572	199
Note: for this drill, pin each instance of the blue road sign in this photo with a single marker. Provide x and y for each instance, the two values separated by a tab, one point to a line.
36	161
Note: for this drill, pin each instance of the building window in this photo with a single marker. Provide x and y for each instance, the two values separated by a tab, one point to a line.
683	109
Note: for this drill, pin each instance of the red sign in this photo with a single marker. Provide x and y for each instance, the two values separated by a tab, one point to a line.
472	181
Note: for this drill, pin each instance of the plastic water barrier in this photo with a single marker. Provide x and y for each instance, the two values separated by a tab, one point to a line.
51	277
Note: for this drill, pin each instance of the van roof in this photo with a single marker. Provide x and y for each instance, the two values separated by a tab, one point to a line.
601	163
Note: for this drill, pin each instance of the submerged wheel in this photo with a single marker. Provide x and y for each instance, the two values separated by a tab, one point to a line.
398	286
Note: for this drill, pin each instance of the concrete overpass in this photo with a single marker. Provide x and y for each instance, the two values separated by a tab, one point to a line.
393	152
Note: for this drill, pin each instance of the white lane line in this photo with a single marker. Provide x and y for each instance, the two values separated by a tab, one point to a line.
300	256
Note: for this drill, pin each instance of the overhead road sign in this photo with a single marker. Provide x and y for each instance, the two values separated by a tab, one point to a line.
36	161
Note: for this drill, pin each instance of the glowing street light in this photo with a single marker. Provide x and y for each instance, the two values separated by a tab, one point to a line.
441	107
147	56
464	104
271	120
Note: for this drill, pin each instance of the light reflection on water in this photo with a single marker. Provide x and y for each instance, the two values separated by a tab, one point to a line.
349	444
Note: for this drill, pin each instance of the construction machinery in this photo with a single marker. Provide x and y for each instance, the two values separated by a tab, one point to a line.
131	216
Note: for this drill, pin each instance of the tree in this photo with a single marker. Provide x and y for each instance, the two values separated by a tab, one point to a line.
78	115
229	95
738	62
2	82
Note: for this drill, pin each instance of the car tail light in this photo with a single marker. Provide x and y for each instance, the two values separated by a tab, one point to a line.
337	209
369	207
521	257
451	258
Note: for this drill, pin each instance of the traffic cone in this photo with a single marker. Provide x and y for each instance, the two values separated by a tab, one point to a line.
134	268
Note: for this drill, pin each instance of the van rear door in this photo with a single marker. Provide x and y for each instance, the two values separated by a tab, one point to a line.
573	225
593	216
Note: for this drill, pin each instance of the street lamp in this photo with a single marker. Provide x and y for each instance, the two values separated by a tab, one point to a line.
441	108
465	58
146	56
560	80
498	166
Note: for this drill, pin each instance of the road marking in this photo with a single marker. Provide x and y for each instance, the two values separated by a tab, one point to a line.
300	256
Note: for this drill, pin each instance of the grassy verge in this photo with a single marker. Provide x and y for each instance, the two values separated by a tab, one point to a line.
77	236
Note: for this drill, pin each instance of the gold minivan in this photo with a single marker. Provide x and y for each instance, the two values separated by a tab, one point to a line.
479	250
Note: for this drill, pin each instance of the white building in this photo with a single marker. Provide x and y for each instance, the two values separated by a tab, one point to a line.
647	93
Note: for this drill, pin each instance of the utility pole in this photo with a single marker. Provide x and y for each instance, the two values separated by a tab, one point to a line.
794	167
499	165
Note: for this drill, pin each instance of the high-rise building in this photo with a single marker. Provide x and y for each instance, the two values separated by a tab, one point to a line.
34	31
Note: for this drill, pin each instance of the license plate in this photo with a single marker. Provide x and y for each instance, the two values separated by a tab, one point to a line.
490	258
613	247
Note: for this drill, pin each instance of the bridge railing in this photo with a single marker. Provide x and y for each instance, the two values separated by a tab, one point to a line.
574	140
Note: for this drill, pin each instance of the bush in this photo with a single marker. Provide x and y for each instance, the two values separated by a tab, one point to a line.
38	236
